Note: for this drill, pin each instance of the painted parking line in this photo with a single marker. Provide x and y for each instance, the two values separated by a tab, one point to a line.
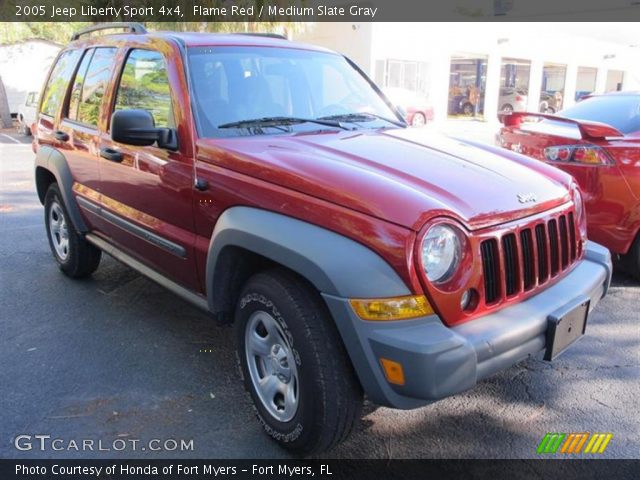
12	139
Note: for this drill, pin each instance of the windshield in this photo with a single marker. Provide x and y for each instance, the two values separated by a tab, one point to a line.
620	111
253	90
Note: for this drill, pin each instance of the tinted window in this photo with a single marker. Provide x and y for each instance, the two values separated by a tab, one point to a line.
78	82
57	86
144	85
95	85
619	111
244	83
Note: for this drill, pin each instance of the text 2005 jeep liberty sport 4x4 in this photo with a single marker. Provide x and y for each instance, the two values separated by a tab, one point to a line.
273	185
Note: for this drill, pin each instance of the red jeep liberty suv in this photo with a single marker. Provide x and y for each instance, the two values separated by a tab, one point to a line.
274	186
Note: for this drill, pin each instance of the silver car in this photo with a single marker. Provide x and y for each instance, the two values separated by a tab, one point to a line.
512	100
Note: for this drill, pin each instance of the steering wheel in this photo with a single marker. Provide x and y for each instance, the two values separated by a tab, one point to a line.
349	104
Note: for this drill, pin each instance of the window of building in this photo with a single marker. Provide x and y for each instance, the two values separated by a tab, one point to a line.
145	85
514	85
615	80
586	81
56	88
467	81
552	90
406	75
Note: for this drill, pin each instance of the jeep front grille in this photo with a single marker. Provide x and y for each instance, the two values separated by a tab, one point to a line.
528	256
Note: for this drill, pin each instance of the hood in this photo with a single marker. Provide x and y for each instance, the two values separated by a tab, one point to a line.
404	176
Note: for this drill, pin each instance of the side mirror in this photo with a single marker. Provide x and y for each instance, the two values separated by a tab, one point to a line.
136	127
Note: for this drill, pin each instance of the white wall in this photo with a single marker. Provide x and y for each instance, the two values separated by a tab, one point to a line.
24	67
573	45
350	39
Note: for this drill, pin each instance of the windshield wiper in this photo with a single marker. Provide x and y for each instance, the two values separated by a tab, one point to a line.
362	117
277	121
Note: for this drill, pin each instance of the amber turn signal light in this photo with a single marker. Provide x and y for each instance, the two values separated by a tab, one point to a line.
392	371
397	308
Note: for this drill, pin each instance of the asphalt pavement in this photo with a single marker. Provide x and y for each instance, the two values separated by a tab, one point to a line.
116	358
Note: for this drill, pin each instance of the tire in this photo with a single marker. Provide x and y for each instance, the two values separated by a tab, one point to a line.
631	260
418	120
76	257
507	108
311	398
467	109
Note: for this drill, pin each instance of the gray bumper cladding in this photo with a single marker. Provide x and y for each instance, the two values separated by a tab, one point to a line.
439	361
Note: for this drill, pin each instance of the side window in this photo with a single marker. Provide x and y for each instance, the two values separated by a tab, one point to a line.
144	85
78	82
56	87
95	85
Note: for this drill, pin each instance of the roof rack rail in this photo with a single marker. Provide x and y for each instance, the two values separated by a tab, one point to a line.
257	34
132	27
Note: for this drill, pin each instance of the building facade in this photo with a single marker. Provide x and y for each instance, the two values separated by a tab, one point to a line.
478	69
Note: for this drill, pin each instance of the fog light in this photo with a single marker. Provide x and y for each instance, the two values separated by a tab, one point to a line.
392	371
469	300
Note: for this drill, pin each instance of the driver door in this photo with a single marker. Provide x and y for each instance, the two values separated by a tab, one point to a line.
147	192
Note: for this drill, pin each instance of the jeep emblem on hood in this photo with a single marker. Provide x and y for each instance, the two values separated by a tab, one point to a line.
527	197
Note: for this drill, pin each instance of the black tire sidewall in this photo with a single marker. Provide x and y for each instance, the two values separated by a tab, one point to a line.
53	194
259	296
418	115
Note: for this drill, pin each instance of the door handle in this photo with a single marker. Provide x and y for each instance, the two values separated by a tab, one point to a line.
111	154
60	135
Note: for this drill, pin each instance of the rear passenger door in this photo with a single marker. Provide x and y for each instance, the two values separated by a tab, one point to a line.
81	119
147	192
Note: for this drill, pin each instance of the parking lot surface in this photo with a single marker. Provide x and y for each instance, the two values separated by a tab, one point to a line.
118	357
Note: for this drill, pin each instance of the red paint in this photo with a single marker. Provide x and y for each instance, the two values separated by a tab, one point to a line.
377	187
424	110
611	192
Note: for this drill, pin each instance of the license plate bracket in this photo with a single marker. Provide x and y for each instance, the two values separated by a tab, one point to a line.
565	326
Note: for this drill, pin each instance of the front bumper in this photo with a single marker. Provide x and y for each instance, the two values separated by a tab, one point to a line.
439	361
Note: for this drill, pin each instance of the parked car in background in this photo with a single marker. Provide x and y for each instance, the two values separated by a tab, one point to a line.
582	94
550	102
277	190
415	108
27	113
597	141
512	100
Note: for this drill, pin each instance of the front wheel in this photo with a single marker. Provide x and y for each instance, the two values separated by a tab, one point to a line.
294	365
76	257
418	120
507	108
631	261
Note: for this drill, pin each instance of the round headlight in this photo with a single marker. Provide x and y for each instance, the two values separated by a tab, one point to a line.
578	202
441	251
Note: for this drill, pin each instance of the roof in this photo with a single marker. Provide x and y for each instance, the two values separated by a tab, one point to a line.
194	39
629	93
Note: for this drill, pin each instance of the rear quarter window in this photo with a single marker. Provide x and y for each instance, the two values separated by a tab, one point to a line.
56	88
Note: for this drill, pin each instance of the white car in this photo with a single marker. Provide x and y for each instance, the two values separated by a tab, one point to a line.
512	100
27	113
